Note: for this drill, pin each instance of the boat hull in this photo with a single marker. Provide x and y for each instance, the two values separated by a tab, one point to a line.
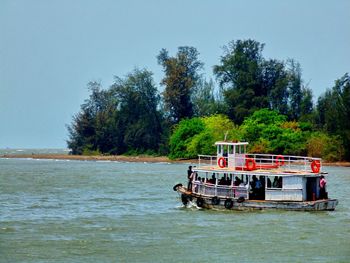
207	202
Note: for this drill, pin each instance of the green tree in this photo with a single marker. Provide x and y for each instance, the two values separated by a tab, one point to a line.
182	135
138	116
181	77
205	100
85	130
333	111
123	118
306	105
198	135
239	73
275	83
295	90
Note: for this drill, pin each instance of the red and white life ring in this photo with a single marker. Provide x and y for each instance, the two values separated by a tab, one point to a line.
222	162
250	164
316	166
279	160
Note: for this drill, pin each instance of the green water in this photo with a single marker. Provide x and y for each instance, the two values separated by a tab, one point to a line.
76	211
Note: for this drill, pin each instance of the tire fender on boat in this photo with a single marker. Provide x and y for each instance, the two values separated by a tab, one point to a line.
228	203
200	202
241	199
215	200
184	199
315	166
176	186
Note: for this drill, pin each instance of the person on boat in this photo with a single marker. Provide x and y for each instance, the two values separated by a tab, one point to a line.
323	183
237	181
212	180
197	180
280	182
268	183
275	183
189	175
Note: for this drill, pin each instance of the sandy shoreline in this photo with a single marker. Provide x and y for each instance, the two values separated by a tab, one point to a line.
122	158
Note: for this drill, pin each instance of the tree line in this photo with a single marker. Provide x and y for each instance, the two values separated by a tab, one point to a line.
133	117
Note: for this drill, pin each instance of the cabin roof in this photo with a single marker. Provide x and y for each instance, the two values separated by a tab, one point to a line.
231	143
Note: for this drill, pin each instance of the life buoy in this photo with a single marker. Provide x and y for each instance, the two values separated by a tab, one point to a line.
315	166
200	202
176	186
215	200
222	162
241	199
279	160
250	164
228	203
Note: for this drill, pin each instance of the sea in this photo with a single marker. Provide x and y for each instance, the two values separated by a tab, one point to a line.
104	211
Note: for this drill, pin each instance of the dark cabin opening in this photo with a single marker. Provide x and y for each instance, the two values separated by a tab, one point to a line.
311	188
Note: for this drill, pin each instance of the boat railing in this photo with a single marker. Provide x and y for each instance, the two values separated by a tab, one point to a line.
222	191
250	162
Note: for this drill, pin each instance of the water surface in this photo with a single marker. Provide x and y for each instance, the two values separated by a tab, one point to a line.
84	211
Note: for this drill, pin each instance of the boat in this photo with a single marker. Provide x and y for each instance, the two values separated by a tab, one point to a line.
236	180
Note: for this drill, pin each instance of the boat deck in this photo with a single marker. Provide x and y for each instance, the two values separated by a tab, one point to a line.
274	171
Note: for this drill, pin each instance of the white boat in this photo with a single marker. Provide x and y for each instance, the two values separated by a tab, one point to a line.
236	180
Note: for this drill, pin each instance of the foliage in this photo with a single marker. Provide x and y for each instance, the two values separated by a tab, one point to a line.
270	132
182	136
239	73
123	118
323	145
198	135
205	101
333	111
181	76
267	97
252	83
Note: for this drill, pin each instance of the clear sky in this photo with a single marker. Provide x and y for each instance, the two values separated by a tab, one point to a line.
50	50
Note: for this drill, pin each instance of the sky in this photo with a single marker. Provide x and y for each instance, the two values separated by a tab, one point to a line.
50	50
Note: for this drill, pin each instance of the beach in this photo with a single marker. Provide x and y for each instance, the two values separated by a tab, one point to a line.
119	158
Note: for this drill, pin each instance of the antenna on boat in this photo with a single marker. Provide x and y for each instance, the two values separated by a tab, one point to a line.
225	135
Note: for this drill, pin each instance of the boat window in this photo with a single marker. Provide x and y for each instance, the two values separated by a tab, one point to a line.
225	149
219	149
230	149
274	182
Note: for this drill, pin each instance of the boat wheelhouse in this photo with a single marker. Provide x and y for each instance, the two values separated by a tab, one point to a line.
235	179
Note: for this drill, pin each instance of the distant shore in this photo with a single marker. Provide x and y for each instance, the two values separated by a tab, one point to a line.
120	158
123	158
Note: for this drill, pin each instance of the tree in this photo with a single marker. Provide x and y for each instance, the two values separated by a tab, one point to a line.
198	135
123	118
181	77
205	101
306	105
138	117
275	83
239	74
295	90
87	126
333	109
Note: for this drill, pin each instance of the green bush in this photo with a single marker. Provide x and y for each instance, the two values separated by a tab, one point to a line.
182	136
330	148
198	135
267	131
